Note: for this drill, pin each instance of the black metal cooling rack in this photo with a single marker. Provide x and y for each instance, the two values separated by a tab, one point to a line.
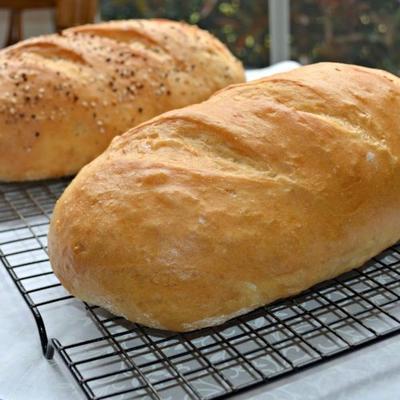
129	361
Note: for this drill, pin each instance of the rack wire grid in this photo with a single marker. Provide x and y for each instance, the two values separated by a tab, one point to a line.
128	361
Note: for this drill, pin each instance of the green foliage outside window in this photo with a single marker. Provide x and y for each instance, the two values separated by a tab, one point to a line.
365	32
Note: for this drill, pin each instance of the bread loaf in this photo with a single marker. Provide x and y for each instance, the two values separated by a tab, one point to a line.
264	190
64	97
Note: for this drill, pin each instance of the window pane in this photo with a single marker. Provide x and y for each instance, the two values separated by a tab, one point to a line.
353	31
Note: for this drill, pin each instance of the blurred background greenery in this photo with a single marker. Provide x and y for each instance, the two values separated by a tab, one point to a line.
365	32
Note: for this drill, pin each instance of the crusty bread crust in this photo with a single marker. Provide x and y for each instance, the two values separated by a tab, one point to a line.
64	97
262	191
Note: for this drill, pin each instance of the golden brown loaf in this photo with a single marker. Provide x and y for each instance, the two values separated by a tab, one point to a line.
64	97
258	193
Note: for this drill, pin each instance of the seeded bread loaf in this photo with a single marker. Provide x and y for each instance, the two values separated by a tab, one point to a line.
64	97
256	194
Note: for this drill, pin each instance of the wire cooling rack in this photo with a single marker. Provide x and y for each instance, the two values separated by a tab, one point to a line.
129	361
